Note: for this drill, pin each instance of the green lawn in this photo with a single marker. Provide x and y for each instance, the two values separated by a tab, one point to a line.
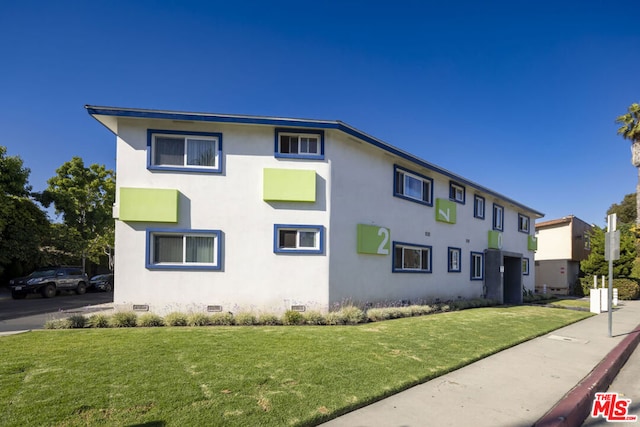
579	303
247	376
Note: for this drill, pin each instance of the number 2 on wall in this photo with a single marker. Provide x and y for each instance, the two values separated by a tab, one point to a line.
385	239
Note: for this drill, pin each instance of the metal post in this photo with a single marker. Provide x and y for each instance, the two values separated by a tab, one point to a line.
611	227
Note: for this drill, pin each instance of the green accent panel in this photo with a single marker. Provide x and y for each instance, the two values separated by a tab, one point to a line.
446	211
495	239
148	205
289	185
532	243
373	239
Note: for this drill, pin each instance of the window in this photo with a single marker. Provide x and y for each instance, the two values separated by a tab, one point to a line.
299	143
192	151
409	258
456	192
498	217
477	266
587	241
525	266
478	206
412	186
183	249
523	223
454	260
298	239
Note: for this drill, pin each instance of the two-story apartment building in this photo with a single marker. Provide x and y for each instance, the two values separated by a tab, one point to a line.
562	244
229	212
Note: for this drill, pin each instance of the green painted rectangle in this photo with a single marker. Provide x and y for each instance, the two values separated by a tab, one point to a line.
289	185
495	239
446	211
148	205
532	243
373	239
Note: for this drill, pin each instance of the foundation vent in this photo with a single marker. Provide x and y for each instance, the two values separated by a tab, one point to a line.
214	308
140	307
298	307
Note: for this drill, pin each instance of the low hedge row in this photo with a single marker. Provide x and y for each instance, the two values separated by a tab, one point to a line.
348	315
628	289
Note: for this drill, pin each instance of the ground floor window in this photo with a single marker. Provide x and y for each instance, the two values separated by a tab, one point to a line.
454	260
411	258
477	266
525	266
171	249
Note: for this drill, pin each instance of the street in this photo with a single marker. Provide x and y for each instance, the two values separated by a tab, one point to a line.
32	312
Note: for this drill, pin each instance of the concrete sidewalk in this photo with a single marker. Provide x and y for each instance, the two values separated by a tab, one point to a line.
529	384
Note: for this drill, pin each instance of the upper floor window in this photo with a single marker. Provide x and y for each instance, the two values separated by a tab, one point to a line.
411	258
456	192
412	186
299	143
498	217
478	206
587	241
184	151
523	223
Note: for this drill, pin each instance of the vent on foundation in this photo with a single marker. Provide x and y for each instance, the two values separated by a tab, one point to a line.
214	308
140	307
298	307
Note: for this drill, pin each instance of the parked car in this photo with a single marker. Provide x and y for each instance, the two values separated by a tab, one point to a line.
49	281
102	282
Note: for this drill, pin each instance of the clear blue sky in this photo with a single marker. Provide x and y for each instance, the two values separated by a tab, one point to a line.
519	96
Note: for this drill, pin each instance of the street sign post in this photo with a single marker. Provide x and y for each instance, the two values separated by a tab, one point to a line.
611	253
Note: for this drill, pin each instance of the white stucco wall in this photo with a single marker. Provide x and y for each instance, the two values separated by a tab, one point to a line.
362	179
252	277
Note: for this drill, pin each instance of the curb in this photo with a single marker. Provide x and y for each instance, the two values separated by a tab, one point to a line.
575	406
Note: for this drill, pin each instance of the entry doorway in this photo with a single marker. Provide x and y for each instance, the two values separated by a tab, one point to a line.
503	276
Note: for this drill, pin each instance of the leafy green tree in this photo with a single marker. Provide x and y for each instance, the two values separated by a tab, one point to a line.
626	210
84	196
23	225
595	264
630	130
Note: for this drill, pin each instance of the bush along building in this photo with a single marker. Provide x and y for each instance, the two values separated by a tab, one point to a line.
228	213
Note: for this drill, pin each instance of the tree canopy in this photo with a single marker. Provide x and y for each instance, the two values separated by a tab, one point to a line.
626	210
630	122
595	264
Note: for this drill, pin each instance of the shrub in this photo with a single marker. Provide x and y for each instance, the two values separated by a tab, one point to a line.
377	314
334	318
221	319
77	321
198	319
245	318
269	319
628	289
124	319
421	310
57	324
313	317
292	317
99	321
175	319
149	320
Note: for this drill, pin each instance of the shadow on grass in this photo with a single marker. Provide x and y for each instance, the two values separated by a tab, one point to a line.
149	424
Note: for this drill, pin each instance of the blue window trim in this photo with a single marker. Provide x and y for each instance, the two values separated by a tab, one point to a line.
476	214
495	226
472	266
151	166
182	231
526	272
452	194
449	268
521	230
411	245
298	131
397	168
318	228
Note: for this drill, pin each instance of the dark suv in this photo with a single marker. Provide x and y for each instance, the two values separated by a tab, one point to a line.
48	281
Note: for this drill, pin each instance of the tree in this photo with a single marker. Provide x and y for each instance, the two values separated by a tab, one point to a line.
596	265
626	210
630	130
23	225
84	196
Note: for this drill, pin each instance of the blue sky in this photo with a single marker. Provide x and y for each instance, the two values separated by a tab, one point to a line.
518	96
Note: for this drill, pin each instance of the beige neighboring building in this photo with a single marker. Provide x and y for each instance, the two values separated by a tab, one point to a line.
562	244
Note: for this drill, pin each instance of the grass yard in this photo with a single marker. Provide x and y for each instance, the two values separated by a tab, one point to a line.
572	303
245	376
